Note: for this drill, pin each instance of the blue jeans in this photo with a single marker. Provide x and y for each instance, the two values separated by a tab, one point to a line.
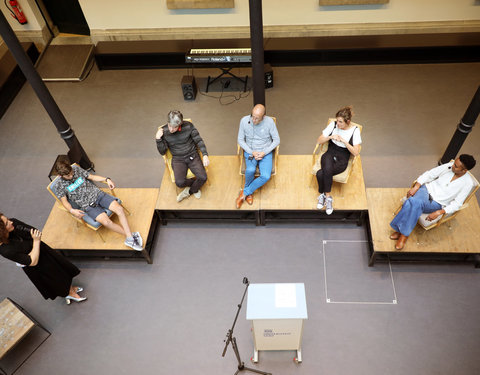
411	210
265	167
103	202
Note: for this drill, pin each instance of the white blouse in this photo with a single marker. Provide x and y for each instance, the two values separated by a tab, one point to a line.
450	194
345	134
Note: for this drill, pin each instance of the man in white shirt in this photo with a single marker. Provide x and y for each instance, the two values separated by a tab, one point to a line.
439	191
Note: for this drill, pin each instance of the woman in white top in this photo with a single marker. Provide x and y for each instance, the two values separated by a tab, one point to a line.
343	140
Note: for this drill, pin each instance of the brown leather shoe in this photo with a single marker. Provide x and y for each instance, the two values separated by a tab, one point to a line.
395	236
401	242
240	199
249	199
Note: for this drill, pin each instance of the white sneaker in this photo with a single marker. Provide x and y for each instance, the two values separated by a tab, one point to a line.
184	194
137	238
321	201
198	194
329	209
130	242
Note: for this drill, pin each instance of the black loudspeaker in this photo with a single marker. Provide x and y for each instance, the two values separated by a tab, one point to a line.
268	76
189	87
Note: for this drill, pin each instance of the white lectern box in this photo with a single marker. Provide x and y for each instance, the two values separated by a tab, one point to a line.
277	312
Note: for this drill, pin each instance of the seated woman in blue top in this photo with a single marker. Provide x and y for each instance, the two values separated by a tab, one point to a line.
343	140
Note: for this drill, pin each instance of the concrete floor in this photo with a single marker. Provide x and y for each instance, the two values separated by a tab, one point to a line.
172	316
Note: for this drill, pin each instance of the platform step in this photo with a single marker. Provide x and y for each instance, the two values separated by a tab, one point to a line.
67	62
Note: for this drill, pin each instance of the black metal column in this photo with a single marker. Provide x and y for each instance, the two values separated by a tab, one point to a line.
463	128
32	76
256	41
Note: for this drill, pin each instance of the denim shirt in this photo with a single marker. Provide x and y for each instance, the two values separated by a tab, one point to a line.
261	137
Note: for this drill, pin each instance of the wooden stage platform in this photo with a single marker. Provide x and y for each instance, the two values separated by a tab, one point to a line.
72	238
290	195
457	239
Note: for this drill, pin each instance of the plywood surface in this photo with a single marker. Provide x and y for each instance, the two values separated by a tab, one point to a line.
14	325
219	193
61	231
295	188
352	2
459	235
199	4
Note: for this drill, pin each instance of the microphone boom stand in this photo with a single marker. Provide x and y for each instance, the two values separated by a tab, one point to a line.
231	339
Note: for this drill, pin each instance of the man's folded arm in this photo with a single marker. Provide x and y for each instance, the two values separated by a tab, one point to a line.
162	146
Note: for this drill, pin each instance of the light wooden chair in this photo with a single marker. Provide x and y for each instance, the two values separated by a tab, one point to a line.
167	158
317	157
85	220
242	166
427	225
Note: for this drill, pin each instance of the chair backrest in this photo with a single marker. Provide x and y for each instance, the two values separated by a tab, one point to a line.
475	187
52	185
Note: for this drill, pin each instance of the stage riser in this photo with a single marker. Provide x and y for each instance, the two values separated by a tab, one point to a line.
213	216
429	258
13	78
431	55
263	217
105	254
312	216
63	233
457	240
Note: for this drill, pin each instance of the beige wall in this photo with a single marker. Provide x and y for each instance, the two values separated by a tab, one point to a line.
150	19
31	12
34	30
125	14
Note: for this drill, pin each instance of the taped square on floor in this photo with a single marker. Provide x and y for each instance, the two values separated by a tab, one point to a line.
348	279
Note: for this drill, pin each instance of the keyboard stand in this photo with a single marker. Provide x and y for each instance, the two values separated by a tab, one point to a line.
226	71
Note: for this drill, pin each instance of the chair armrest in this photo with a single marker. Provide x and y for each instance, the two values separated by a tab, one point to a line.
355	157
61	206
277	151
315	150
109	190
240	158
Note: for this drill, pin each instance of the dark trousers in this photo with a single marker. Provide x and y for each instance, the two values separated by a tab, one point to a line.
180	167
333	162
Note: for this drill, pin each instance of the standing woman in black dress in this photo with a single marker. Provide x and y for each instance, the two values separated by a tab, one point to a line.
48	270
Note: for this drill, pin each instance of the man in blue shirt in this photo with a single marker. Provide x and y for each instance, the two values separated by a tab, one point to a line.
258	137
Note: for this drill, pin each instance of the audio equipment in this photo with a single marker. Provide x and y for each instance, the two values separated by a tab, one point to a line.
215	55
189	87
268	76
